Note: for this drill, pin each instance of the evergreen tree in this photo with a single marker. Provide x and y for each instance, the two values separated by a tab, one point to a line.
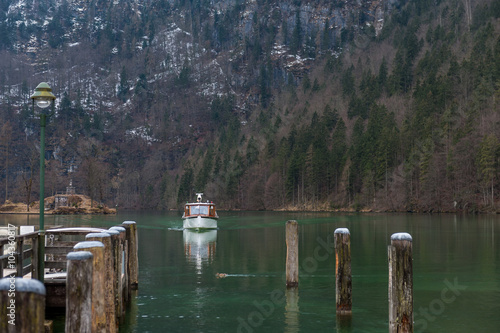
330	117
338	154
296	42
182	80
358	158
348	83
124	86
487	160
306	83
265	90
310	44
186	185
325	40
206	169
252	151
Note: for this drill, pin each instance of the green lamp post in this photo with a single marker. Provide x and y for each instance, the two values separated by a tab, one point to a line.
43	98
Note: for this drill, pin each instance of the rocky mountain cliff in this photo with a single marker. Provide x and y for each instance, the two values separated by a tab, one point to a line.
217	47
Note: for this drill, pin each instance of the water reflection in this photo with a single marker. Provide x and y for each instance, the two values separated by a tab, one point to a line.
19	219
344	323
292	310
199	247
52	221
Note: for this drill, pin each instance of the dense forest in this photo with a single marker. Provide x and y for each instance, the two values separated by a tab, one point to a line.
309	105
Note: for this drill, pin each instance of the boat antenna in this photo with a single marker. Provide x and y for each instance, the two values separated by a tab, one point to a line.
199	196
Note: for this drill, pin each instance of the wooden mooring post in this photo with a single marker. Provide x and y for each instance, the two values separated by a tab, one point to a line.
79	292
98	276
116	252
122	270
22	305
109	278
133	260
400	284
292	254
343	275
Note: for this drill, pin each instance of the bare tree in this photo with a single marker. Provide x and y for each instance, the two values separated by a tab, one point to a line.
27	176
93	170
5	140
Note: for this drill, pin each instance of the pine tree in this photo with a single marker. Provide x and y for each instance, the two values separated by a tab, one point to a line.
186	185
205	171
487	163
296	42
325	40
338	154
124	86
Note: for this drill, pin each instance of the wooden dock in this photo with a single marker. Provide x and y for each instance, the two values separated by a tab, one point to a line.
19	259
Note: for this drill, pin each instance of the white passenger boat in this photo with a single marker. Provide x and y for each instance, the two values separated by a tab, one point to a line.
200	215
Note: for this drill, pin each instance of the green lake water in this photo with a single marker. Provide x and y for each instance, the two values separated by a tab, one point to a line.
456	264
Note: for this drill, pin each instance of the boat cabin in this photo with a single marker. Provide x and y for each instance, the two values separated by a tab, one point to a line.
200	209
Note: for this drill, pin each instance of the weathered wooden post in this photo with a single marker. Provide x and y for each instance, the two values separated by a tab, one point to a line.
343	275
122	270
292	254
400	284
133	260
115	248
19	256
79	292
22	305
34	257
109	285
98	283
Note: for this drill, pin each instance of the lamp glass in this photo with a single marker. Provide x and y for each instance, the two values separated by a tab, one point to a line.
43	102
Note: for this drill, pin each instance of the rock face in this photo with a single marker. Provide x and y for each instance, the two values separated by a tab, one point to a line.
214	38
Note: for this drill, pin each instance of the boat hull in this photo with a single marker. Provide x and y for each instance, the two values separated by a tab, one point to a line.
199	222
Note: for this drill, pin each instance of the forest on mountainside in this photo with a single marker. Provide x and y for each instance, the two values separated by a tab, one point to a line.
405	118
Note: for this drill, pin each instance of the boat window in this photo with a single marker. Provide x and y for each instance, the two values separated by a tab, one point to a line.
212	211
204	210
186	210
195	210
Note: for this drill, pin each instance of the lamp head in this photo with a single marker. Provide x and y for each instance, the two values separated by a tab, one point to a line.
43	95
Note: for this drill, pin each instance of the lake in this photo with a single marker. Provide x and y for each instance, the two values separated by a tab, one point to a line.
232	279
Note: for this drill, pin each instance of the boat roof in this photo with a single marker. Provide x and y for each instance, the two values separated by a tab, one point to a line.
199	203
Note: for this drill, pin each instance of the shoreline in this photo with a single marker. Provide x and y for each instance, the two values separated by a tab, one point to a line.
74	204
52	213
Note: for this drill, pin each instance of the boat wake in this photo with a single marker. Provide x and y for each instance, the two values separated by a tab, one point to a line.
225	275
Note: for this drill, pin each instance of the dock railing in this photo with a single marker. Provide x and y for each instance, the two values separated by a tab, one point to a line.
19	253
16	253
